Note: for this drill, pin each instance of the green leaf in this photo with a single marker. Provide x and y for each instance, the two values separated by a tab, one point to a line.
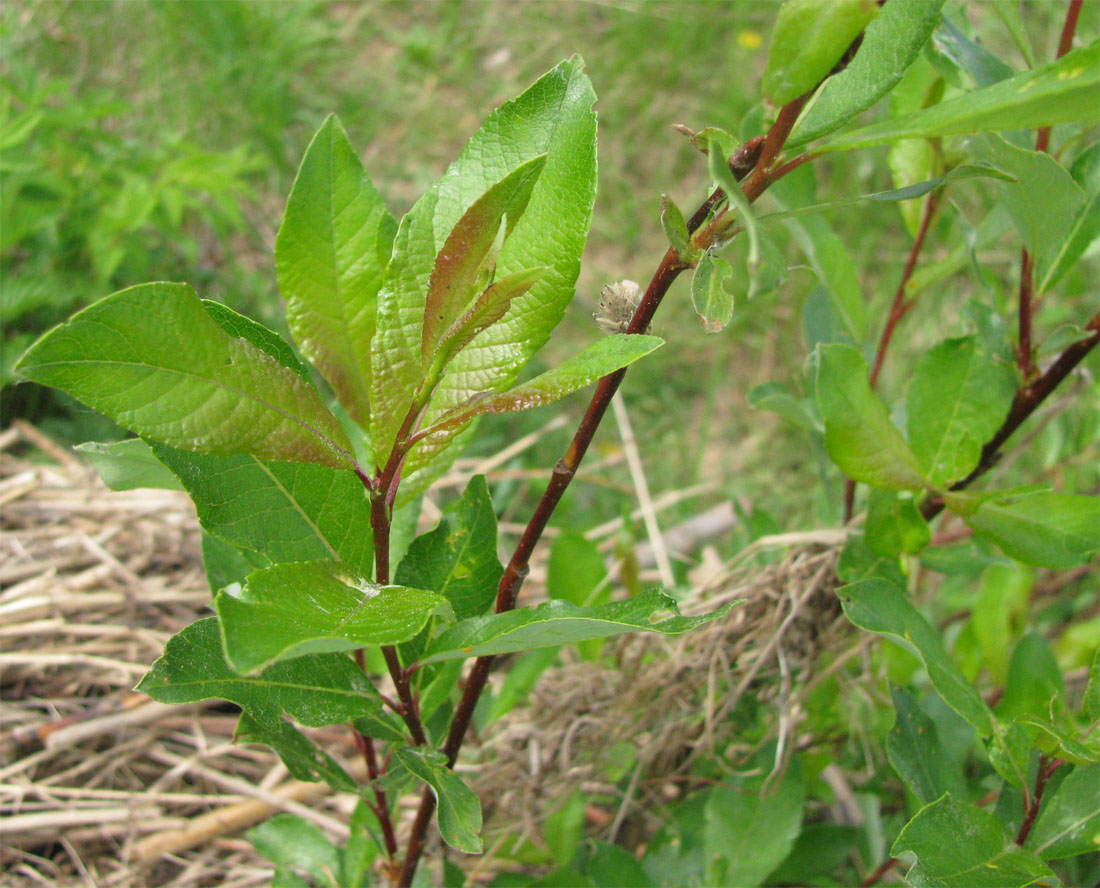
914	751
1009	14
953	52
152	359
612	866
300	754
293	841
575	572
458	811
894	524
285	511
1034	679
1041	183
1090	704
559	622
721	173
293	609
1055	530
1069	821
819	851
881	607
1055	742
858	433
364	844
129	465
468	246
318	690
1002	600
331	251
810	37
553	117
675	228
891	43
961	846
603	357
774	397
458	559
959	395
1062	91
225	563
750	824
1083	230
713	302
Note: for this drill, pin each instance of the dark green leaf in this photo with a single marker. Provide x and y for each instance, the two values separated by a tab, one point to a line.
293	841
881	607
713	302
858	433
1058	92
331	251
809	39
458	811
129	465
323	689
458	559
891	43
603	357
1055	530
611	866
958	397
300	755
1069	821
559	622
819	851
913	748
156	362
285	511
298	608
961	846
225	563
952	46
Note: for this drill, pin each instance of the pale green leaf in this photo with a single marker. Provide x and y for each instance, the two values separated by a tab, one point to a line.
129	465
560	622
318	690
675	228
293	609
152	359
858	433
959	395
603	357
713	302
1083	230
1062	91
961	846
458	810
1053	530
891	43
881	607
810	37
330	254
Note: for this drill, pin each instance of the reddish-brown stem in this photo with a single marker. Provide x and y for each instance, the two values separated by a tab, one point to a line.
879	871
754	184
1024	404
380	807
1031	811
898	309
1065	43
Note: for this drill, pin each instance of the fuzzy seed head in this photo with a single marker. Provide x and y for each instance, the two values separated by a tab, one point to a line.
618	303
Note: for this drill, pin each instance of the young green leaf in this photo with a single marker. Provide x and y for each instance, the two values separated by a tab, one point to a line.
858	433
891	43
1058	92
597	360
1057	743
750	826
721	173
559	622
675	228
467	248
331	251
913	750
129	465
553	117
1069	820
156	362
458	810
294	842
881	607
959	395
317	690
810	37
713	302
300	754
962	846
293	609
285	511
458	559
1053	530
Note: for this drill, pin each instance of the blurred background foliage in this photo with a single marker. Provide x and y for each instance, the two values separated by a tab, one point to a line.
158	139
